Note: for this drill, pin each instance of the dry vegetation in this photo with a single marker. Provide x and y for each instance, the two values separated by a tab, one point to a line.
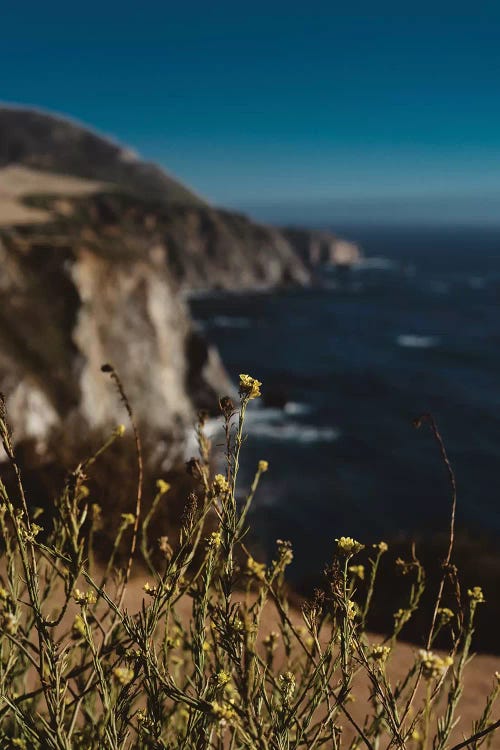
209	653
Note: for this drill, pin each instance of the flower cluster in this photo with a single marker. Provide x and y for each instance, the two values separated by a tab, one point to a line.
476	595
349	546
221	678
249	387
263	466
379	653
221	713
214	540
255	568
445	615
433	666
84	599
123	675
220	484
357	570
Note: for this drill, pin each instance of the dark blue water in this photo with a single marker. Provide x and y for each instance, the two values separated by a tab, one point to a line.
416	329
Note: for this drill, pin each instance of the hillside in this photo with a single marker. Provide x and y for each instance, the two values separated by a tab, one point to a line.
97	249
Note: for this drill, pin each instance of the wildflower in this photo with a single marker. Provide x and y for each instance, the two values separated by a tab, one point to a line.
8	623
445	615
249	387
84	599
4	595
221	713
256	568
123	675
206	646
148	589
349	546
351	610
381	546
358	570
433	666
18	742
220	484
497	677
285	552
127	519
162	486
214	540
263	466
119	430
401	616
221	678
238	625
476	595
379	653
287	685
83	491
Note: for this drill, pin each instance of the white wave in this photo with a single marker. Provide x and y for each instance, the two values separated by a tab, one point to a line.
412	341
294	409
295	432
376	263
272	424
226	321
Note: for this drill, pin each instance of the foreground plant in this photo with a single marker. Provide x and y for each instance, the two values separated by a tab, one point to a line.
197	666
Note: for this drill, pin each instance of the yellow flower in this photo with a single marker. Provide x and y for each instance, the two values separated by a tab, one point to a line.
128	519
446	615
433	666
84	599
8	622
148	589
120	430
358	570
214	540
349	546
381	546
379	653
263	466
123	675
220	484
221	713
249	387
476	595
352	610
221	678
162	486
256	568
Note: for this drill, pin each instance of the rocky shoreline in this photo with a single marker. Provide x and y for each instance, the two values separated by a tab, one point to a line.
96	269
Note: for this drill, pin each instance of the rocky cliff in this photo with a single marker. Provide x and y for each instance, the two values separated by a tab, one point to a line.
96	248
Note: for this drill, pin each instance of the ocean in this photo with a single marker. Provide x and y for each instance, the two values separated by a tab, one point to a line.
347	366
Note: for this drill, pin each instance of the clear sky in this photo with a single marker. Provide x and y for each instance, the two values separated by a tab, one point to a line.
391	110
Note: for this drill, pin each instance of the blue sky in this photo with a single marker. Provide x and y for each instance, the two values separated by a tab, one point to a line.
391	110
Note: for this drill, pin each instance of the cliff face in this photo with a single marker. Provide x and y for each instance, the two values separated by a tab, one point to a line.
320	248
96	249
65	309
